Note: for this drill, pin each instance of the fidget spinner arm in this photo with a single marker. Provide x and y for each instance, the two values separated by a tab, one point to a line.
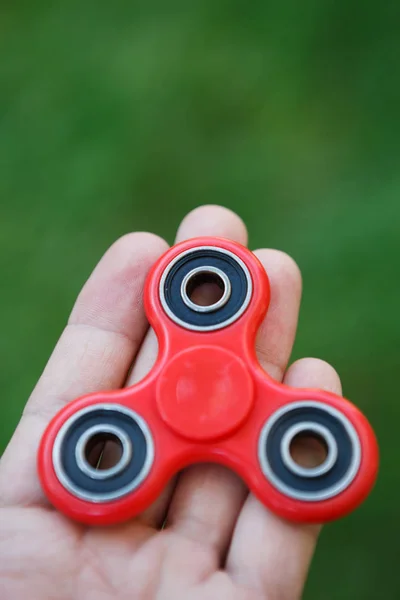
207	400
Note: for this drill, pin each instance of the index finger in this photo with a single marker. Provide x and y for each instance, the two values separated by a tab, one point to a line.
94	352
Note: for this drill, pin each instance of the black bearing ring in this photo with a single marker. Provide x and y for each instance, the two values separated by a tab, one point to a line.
233	276
320	483
79	477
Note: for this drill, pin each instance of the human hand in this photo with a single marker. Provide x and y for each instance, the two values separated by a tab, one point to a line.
206	536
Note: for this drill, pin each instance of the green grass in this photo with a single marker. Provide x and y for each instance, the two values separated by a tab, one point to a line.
124	116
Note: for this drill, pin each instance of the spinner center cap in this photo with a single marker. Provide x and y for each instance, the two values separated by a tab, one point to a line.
204	393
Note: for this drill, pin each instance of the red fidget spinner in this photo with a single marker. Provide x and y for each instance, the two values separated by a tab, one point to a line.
207	400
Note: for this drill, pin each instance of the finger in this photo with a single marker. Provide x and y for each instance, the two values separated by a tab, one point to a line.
276	335
95	351
205	220
267	553
208	499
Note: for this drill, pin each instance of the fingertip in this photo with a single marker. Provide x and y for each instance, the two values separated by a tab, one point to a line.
149	244
114	290
212	220
281	267
313	372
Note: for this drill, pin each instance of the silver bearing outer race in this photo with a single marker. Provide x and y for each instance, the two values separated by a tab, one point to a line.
291	492
225	323
77	491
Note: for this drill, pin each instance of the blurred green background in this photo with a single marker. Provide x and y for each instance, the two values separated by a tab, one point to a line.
118	116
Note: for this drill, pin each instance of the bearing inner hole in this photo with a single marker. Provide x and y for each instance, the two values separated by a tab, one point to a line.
308	449
103	450
205	288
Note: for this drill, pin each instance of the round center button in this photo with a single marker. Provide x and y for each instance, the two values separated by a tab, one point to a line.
204	393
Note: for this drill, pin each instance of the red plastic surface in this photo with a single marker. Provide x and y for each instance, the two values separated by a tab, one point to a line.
206	400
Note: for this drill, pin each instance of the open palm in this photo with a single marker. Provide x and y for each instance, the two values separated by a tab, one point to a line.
206	536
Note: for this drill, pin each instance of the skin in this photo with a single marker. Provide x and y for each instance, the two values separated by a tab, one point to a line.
218	542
